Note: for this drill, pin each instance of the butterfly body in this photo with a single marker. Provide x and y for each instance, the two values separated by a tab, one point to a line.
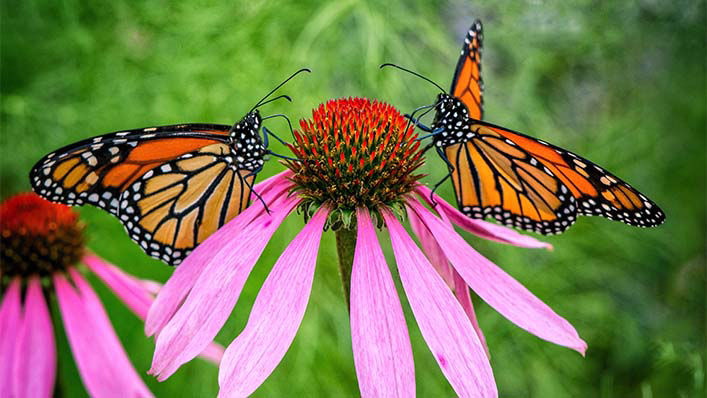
246	143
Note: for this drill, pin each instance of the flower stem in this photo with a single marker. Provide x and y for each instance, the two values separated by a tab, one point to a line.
345	246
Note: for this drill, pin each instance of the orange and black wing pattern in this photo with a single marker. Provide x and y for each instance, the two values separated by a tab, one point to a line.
170	186
597	192
97	170
467	84
493	177
171	209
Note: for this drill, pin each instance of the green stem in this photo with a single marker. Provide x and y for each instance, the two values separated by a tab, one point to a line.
345	246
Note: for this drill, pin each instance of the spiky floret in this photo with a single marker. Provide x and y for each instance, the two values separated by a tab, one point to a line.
38	236
355	153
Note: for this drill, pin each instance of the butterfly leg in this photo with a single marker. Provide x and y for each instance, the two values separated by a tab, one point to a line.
266	133
431	134
257	195
289	124
419	124
450	170
283	156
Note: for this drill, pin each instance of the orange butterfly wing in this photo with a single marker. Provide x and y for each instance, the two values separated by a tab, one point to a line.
467	84
494	177
170	186
173	208
596	191
97	170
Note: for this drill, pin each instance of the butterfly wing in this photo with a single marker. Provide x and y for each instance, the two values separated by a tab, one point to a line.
493	177
173	208
467	84
596	191
97	170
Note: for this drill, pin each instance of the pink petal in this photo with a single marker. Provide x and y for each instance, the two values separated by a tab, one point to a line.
151	286
216	290
103	364
137	295
442	321
180	283
10	318
441	263
34	367
276	315
461	292
431	248
213	353
498	289
128	289
381	345
484	229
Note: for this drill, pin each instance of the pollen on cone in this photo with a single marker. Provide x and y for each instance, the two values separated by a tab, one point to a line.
355	152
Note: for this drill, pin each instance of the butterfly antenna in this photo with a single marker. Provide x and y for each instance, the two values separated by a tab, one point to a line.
287	97
280	85
414	73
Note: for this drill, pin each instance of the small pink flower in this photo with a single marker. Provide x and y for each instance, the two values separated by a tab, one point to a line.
356	173
42	243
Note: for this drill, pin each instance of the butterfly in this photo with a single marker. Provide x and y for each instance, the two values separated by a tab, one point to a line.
170	186
511	177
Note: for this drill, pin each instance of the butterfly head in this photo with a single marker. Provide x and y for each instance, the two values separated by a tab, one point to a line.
448	111
247	144
450	107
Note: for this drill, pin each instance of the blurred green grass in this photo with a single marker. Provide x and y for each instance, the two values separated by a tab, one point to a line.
620	83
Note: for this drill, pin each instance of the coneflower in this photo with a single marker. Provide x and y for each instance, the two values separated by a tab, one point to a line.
356	173
40	256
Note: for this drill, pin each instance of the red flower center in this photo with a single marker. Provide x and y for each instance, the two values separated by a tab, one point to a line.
355	152
38	236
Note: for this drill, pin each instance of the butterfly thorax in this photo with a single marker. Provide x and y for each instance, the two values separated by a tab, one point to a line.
452	116
246	144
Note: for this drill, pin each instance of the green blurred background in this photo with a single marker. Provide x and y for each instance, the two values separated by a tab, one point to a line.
622	83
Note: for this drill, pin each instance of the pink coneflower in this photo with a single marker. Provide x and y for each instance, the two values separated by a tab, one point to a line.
356	174
42	245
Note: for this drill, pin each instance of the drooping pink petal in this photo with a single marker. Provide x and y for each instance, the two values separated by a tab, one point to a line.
275	317
213	353
34	367
10	318
441	263
461	292
381	345
216	290
151	286
180	283
431	248
128	289
484	229
442	321
498	289
103	364
137	295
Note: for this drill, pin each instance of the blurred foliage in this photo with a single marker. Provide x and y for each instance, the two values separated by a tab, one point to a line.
622	83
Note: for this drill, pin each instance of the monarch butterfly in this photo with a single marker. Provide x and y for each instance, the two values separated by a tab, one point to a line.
170	186
516	179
